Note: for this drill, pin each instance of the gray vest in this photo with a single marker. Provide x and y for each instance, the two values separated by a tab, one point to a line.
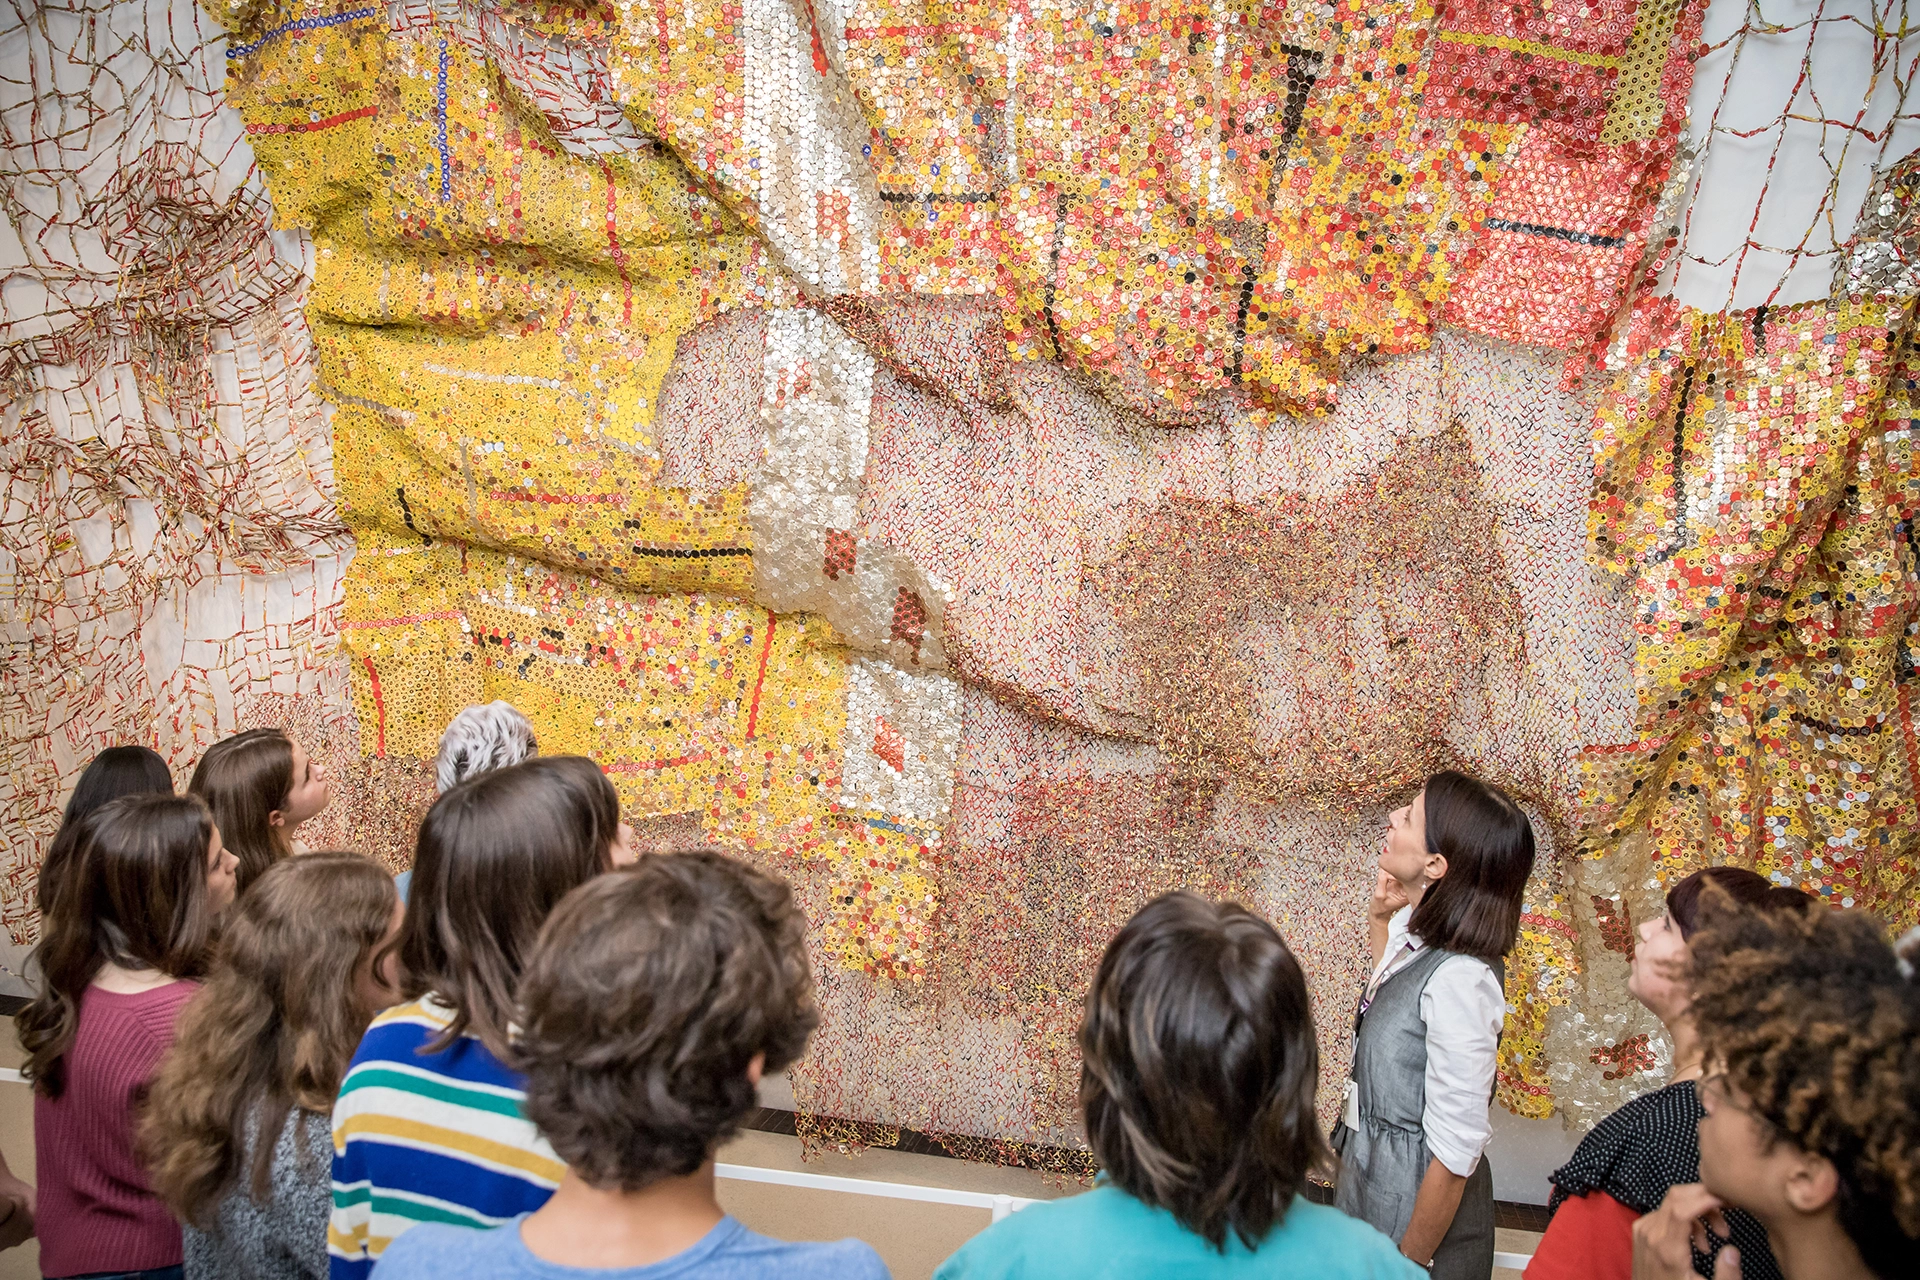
1383	1162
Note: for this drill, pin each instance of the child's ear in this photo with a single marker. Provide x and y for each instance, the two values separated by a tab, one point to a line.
756	1067
1813	1183
278	818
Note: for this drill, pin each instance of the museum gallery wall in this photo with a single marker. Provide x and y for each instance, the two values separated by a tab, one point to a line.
992	462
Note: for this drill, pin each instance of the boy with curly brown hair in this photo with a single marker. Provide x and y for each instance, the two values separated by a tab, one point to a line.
655	999
1812	1098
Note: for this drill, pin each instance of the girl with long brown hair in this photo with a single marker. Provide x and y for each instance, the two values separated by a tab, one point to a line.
428	1125
118	955
261	785
117	771
236	1131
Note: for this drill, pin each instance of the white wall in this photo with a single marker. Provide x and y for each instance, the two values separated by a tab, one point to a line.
1524	1152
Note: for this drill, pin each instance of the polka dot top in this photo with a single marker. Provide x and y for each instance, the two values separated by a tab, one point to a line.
1647	1146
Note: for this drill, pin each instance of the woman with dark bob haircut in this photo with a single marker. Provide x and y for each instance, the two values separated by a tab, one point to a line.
1198	1072
1414	1127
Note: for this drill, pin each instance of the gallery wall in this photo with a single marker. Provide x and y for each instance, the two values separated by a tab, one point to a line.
991	462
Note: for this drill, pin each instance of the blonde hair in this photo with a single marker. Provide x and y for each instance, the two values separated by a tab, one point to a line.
272	1030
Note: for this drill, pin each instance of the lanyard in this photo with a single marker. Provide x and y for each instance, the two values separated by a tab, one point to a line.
1350	1108
1380	975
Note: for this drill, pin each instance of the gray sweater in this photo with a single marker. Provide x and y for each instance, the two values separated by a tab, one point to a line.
285	1238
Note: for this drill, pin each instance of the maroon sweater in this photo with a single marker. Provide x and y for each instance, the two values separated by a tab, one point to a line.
97	1211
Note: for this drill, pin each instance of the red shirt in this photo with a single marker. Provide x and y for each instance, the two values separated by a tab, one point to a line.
1589	1238
97	1211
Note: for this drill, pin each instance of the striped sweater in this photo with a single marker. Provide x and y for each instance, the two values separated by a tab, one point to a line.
428	1137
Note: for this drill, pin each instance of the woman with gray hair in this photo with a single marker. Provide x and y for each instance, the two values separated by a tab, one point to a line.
482	738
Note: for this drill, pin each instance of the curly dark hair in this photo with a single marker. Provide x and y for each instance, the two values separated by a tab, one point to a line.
648	994
1199	1067
1810	1016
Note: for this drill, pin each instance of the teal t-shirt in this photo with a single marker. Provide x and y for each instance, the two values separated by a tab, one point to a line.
1106	1234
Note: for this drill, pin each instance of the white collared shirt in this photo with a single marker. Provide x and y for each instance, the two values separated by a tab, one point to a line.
1463	1007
